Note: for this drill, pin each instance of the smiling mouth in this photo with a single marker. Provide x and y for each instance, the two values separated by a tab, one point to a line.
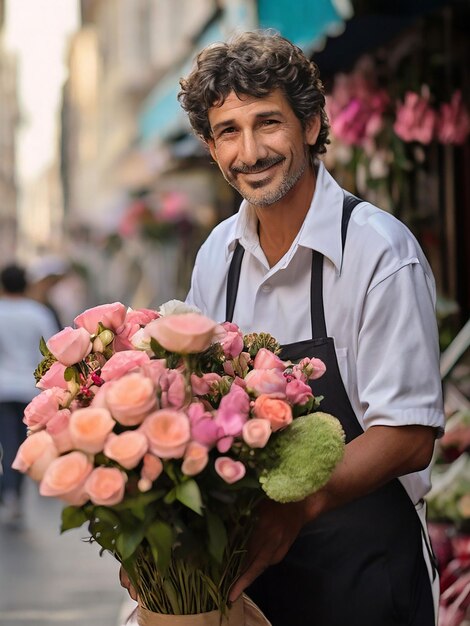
259	168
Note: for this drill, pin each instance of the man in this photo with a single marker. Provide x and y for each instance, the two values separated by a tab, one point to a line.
336	278
22	324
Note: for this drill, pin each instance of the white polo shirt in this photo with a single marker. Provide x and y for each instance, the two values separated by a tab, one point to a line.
379	301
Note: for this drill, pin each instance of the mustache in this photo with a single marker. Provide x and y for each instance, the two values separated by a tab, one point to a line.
259	166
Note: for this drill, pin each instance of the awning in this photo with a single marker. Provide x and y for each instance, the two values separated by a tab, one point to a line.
305	22
161	117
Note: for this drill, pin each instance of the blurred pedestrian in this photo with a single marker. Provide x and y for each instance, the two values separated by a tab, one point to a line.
23	322
44	275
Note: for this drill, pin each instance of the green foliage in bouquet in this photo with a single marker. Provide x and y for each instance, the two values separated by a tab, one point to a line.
306	454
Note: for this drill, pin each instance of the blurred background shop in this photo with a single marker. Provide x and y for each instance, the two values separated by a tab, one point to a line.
125	194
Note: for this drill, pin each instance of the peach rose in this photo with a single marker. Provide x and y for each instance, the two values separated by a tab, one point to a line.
229	470
152	467
105	485
70	345
58	429
54	377
35	455
127	448
90	427
111	316
131	398
168	432
278	412
184	334
256	432
122	363
44	406
195	460
65	478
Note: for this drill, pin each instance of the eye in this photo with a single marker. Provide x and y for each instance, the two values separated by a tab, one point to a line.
269	122
227	131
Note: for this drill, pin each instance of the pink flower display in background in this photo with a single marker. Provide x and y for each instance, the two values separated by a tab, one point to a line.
415	118
453	126
356	108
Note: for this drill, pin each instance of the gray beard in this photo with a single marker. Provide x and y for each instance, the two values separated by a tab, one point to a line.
271	197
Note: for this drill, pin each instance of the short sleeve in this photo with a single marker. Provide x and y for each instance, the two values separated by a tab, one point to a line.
398	374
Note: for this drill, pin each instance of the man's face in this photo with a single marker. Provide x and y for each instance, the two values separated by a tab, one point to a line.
260	146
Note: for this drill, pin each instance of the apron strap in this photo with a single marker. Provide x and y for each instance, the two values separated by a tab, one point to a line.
316	284
233	279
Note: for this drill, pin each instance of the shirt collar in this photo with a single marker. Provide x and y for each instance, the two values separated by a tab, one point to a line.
321	230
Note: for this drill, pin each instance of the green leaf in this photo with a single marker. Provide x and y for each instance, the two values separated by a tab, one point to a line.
188	494
217	536
160	537
43	347
128	541
72	517
70	374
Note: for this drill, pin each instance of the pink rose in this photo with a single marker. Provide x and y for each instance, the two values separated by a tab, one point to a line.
195	460
173	389
65	478
154	370
275	410
89	428
229	470
105	485
152	467
123	362
186	333
43	407
131	398
70	345
168	432
298	392
35	455
203	428
54	377
111	316
267	360
265	381
141	316
232	340
127	448
256	432
233	411
309	369
205	384
58	429
238	366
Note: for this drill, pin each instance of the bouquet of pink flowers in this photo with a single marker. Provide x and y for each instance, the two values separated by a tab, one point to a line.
162	431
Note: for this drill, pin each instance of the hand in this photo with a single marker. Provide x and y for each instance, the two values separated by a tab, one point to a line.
276	530
126	583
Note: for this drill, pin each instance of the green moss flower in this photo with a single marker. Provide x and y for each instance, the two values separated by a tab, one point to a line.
303	456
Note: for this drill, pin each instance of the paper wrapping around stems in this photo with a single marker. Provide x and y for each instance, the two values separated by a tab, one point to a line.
243	612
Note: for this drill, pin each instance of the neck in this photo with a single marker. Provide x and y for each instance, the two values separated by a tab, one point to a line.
279	223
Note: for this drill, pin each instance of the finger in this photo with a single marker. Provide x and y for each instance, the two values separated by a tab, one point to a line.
246	579
126	583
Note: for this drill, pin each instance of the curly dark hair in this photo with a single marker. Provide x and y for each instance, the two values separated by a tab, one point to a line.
255	64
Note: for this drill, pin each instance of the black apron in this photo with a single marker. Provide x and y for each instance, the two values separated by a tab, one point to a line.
361	564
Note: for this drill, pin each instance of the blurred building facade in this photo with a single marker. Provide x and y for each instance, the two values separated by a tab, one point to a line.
9	120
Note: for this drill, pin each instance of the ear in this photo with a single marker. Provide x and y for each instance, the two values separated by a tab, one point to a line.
211	145
312	130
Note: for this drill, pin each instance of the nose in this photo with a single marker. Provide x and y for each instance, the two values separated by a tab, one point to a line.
251	148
